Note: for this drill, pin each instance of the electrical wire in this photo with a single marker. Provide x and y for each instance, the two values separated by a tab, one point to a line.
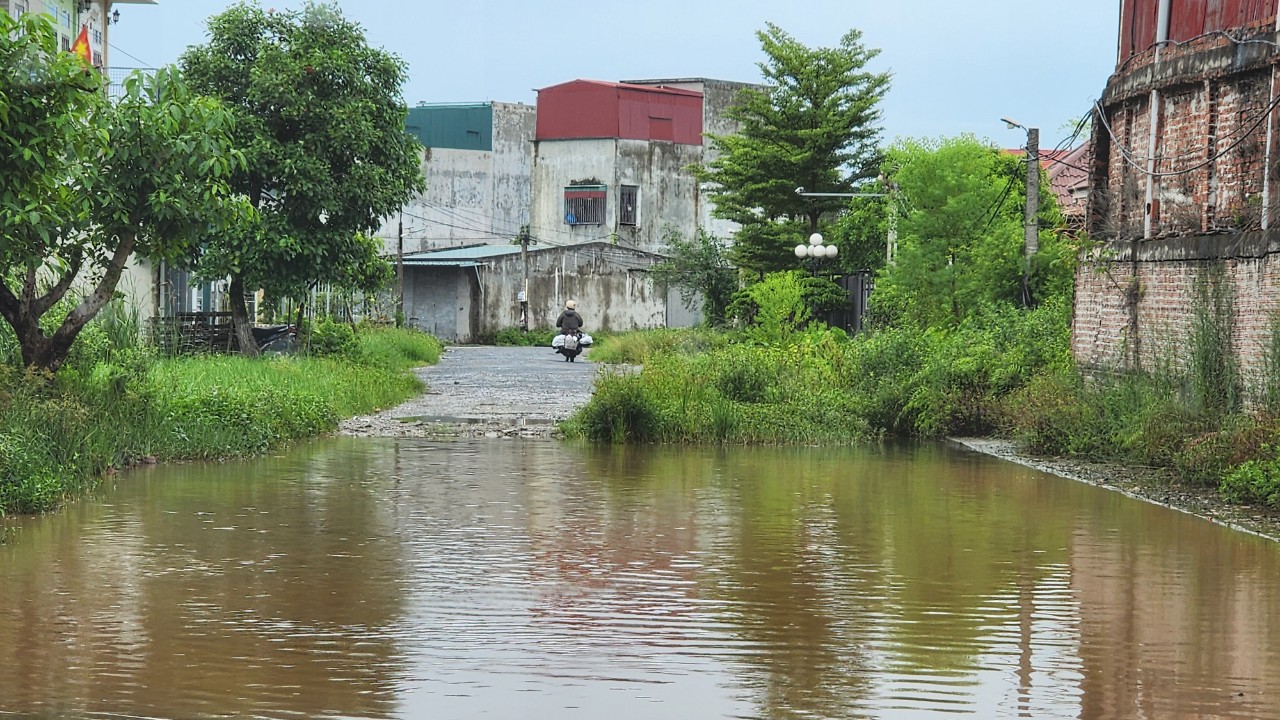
1126	154
1177	43
146	65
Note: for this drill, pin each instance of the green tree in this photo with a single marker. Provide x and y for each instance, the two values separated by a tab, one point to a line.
321	123
773	309
700	268
85	184
814	125
959	234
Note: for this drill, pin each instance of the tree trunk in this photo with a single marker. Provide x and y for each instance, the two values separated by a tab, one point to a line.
240	323
49	352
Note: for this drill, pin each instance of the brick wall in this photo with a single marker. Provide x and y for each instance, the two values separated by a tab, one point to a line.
1135	296
1138	315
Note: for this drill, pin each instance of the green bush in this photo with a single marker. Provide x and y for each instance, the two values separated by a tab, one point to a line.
741	377
515	337
328	338
620	411
1255	482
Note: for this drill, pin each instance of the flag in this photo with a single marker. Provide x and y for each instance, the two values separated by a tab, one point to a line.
81	45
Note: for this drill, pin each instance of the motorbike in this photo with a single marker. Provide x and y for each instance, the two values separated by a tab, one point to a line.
276	338
571	344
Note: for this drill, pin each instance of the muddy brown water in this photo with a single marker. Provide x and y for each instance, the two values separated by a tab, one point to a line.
478	578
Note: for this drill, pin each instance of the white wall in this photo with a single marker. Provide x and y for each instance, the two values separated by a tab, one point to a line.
473	196
668	191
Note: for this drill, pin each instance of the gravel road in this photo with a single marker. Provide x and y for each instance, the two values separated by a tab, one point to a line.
487	391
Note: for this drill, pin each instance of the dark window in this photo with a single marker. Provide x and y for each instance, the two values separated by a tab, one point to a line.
629	200
584	204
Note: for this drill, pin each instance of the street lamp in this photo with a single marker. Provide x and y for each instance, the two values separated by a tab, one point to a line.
815	248
890	243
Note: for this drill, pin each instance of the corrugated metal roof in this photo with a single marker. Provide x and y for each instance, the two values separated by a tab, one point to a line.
457	126
461	256
623	86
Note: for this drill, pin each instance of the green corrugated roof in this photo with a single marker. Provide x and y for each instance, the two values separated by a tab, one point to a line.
453	126
462	256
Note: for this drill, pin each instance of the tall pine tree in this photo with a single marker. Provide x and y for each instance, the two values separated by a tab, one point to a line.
815	125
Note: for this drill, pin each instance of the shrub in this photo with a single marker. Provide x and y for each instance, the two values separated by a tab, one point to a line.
740	375
515	337
327	338
621	410
1255	482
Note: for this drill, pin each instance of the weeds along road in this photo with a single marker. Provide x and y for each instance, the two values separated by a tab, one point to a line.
485	390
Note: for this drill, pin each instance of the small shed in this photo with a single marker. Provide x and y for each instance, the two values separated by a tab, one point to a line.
468	294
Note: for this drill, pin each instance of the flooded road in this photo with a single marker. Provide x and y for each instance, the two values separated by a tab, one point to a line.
477	578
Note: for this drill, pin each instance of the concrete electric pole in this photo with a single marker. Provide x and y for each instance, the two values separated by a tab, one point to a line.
524	239
400	272
1032	241
1031	224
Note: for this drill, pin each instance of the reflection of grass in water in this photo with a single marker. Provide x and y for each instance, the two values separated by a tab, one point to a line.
113	409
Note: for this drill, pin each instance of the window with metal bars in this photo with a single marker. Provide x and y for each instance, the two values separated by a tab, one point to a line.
629	205
584	204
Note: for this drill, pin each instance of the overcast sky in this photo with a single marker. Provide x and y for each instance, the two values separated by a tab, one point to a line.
957	66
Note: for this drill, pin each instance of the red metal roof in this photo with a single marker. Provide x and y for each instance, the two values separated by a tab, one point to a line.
582	109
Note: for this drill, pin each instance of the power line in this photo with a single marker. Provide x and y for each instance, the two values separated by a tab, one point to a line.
1127	154
146	65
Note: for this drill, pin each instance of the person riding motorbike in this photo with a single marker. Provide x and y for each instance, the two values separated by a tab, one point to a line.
569	321
571	339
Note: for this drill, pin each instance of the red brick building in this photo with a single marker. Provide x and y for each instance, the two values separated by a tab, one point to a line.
1182	183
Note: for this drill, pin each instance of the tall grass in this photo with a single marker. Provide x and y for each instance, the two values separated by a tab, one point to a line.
635	348
736	394
112	408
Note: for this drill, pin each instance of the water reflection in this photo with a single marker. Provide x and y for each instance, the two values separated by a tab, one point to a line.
489	578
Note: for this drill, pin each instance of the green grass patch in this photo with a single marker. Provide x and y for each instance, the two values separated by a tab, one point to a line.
636	347
57	435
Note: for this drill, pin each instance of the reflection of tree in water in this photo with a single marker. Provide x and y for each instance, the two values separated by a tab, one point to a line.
760	533
221	588
843	566
616	566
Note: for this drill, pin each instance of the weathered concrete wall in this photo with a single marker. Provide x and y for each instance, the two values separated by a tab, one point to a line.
609	283
558	164
466	304
472	196
668	191
138	285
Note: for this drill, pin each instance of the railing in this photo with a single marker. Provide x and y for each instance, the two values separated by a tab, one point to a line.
194	332
116	76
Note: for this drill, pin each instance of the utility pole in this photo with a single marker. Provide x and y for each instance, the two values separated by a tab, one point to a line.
524	239
1031	225
1032	241
400	271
